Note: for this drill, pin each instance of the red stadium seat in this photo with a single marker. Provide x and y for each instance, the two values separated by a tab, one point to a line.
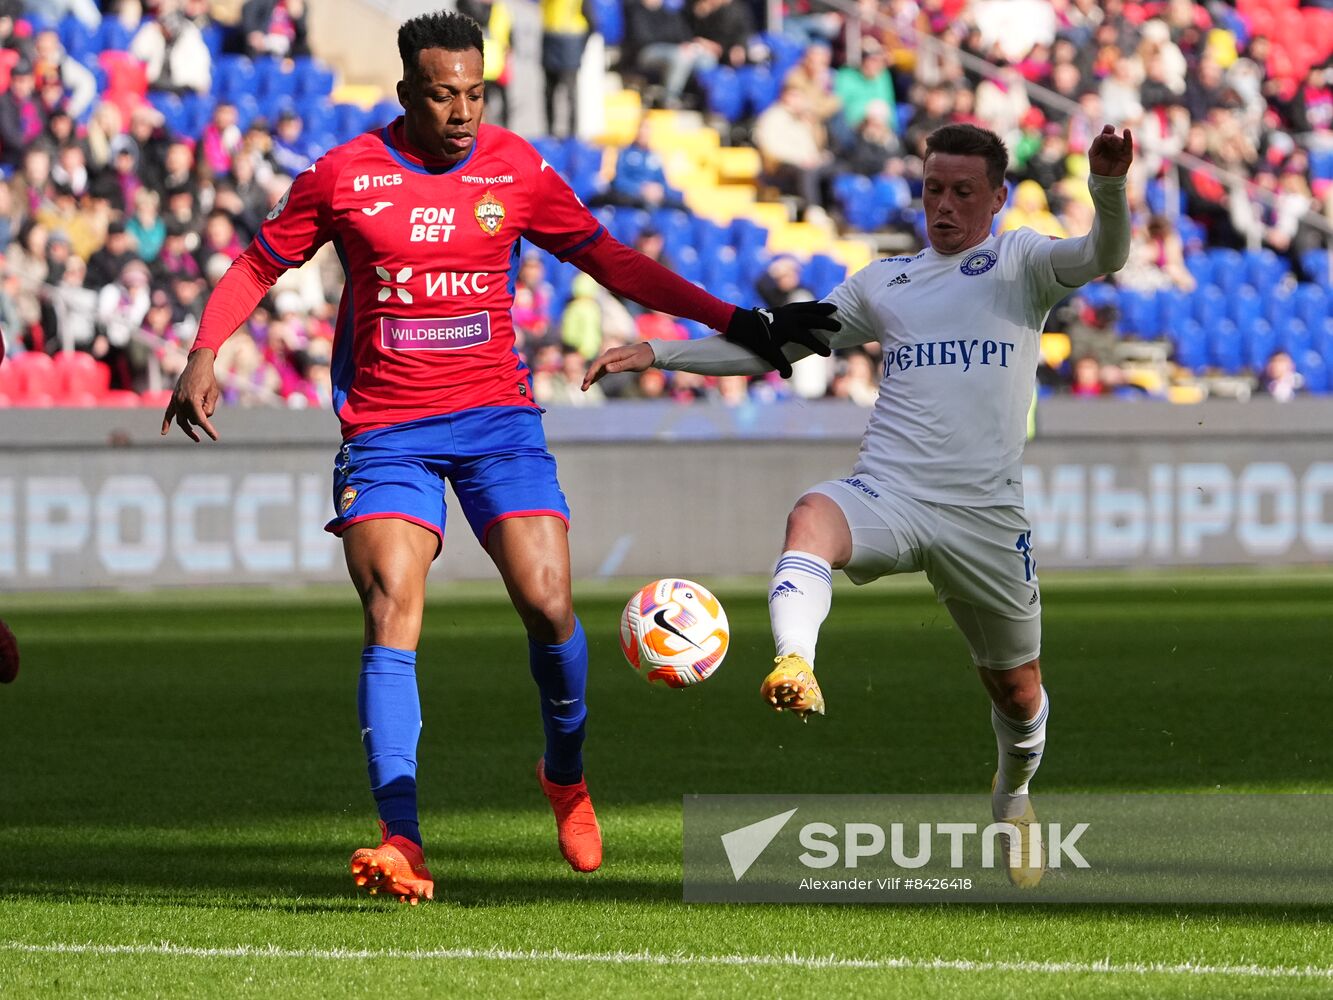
155	398
9	380
119	398
5	402
80	372
76	400
35	374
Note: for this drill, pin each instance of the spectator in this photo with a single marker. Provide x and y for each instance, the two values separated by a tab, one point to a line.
70	312
496	25
145	227
532	306
221	139
581	324
172	48
219	238
813	77
84	230
274	28
639	180
794	162
77	82
1087	377
857	86
104	127
660	44
1280	379
936	111
724	28
857	381
22	119
71	171
1156	259
1031	209
873	145
108	263
121	308
565	387
292	151
564	34
148	131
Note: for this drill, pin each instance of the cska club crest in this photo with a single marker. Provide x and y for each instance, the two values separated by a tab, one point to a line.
490	213
347	499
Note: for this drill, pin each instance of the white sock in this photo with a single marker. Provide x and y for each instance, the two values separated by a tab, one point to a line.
1021	745
799	597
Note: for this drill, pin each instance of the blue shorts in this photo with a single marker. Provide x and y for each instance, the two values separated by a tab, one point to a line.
494	456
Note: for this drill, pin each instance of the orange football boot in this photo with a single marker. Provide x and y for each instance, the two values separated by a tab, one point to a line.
396	867
575	822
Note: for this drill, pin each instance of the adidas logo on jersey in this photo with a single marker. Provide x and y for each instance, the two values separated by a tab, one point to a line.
902	279
784	589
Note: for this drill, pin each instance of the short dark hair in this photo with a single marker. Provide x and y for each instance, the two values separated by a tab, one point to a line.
970	140
441	30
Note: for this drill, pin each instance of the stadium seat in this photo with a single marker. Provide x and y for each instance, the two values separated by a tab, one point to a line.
77	39
688	264
1293	337
723	268
761	86
77	372
1200	265
1173	308
1264	269
35	375
1228	269
748	236
723	92
1314	263
349	121
1279	306
119	398
112	36
1311	365
382	113
313	78
1311	305
822	274
1191	346
1257	342
156	399
1225	348
1244	305
234	75
1138	312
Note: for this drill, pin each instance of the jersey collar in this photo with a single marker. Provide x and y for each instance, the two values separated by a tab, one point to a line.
394	137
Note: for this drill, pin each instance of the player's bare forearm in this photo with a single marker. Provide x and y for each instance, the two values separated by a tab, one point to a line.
635	358
195	398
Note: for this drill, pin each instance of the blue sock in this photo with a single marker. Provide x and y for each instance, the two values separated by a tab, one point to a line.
390	711
561	673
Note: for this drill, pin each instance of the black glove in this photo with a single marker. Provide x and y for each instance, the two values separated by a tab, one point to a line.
762	332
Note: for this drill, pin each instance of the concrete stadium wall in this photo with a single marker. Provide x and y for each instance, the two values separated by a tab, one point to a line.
98	499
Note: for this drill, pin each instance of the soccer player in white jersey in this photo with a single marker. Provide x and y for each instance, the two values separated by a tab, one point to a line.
938	483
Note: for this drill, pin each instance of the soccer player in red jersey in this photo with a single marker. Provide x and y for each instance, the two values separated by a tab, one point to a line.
427	215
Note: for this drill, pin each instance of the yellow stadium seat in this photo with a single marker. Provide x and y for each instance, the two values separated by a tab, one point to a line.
738	164
852	254
623	112
1185	394
768	214
364	95
1055	349
720	204
800	238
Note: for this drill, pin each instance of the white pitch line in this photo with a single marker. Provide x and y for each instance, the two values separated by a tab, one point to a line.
1103	967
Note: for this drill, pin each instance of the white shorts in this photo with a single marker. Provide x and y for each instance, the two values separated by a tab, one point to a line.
978	559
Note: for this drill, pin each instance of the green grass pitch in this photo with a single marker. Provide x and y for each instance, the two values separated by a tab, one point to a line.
182	784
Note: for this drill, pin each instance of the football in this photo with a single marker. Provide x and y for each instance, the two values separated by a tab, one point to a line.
9	655
674	632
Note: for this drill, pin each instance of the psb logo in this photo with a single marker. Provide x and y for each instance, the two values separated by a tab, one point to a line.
364	182
979	263
490	213
345	500
396	286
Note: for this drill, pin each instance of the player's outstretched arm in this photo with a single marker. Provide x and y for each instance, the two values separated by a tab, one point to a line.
764	333
1106	247
195	397
635	358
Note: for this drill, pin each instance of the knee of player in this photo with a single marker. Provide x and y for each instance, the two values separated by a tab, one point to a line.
388	604
1018	692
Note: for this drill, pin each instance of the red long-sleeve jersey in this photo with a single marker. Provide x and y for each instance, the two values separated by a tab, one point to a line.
430	252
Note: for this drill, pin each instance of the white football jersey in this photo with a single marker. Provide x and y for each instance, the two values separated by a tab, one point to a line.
961	336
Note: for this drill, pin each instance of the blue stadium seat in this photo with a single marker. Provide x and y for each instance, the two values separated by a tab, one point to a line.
1264	269
1293	337
234	76
785	51
349	121
748	236
1315	265
687	264
112	35
610	20
313	78
1321	164
215	37
1311	303
695	330
1315	370
723	268
1201	266
247	110
1191	346
761	86
676	227
1225	347
1228	268
1100	293
77	39
1210	305
1244	306
197	110
1192	234
1138	312
709	237
892	195
317	114
383	113
628	223
1173	308
585	167
554	152
723	92
1258	341
1279	306
822	274
1321	336
753	264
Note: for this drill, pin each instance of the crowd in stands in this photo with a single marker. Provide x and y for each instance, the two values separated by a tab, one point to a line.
142	143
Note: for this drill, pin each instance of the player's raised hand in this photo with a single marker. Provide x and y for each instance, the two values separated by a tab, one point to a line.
1110	155
195	397
635	358
763	332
